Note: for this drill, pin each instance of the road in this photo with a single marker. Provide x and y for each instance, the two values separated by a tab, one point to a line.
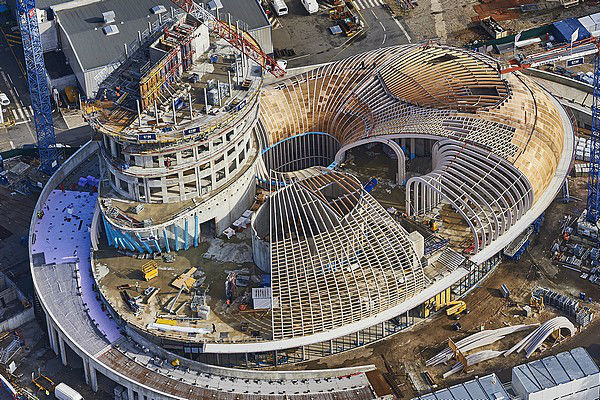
309	37
13	82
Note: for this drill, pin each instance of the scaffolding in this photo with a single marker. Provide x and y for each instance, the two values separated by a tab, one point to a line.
178	42
232	34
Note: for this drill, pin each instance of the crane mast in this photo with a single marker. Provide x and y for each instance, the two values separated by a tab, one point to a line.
38	86
593	199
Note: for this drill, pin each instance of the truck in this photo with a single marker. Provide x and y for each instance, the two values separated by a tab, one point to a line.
311	6
280	7
64	392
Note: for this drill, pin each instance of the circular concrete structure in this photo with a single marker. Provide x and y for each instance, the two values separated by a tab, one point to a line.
343	271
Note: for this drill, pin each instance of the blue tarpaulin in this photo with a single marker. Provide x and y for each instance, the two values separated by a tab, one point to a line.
266	280
562	30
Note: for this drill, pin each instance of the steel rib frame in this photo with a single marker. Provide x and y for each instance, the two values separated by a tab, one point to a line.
454	163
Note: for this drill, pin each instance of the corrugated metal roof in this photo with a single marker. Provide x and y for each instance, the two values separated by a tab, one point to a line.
83	25
483	388
555	370
44	4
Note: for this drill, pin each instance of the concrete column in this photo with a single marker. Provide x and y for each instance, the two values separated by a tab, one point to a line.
93	377
113	148
63	350
130	393
50	333
54	339
412	148
86	369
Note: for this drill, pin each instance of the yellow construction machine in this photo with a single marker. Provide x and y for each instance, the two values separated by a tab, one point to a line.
150	270
455	307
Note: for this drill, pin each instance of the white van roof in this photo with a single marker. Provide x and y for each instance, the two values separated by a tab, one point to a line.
68	390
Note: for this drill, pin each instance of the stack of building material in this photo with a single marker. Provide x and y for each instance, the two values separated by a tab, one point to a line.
185	281
535	339
582	152
473	359
476	340
568	305
582	169
150	270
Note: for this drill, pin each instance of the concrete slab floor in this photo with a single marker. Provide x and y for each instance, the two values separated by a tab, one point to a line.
214	258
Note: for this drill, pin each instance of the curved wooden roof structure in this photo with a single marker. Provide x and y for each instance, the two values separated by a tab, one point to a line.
337	256
436	92
500	141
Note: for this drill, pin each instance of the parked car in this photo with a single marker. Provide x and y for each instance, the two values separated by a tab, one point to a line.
4	99
280	7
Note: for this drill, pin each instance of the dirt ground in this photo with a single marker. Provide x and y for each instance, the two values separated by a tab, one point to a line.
229	323
451	20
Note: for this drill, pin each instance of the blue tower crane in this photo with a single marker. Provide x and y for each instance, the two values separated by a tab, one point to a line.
38	86
593	199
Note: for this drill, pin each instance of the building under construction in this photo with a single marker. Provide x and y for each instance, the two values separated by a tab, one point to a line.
190	144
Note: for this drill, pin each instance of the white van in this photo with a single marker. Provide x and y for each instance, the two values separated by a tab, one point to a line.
280	7
311	6
64	392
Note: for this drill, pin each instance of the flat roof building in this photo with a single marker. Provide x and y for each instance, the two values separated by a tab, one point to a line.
73	25
486	387
568	375
571	374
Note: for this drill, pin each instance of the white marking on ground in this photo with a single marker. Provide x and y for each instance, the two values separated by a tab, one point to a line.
403	30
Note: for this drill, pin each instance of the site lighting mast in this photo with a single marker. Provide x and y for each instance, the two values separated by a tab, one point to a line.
38	85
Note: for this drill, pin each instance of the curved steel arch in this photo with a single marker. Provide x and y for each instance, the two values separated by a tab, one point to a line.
456	179
401	176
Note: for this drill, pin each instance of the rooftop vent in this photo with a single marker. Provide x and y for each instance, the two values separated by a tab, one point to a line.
110	30
159	9
108	16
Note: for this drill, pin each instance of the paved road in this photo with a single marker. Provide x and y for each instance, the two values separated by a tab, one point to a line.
309	36
13	82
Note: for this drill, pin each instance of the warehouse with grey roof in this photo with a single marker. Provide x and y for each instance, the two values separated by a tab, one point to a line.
115	28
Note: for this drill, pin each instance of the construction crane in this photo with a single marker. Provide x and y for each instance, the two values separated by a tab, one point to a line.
233	35
593	199
38	86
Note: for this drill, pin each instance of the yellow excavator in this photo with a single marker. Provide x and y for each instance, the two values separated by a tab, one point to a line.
455	307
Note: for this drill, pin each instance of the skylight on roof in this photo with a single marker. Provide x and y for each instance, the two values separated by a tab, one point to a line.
108	17
159	9
110	30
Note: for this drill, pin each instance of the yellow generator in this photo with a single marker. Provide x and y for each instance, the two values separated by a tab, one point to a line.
150	270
